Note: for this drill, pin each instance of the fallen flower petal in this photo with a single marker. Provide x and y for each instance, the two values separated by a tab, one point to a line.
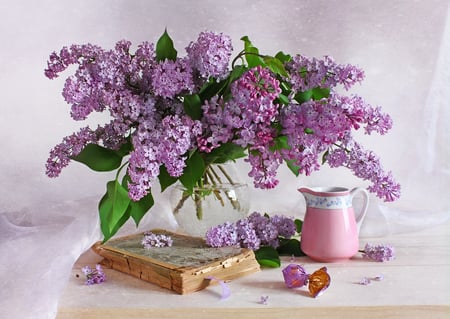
365	281
226	292
264	300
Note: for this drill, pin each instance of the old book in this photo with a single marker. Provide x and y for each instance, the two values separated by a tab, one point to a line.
184	267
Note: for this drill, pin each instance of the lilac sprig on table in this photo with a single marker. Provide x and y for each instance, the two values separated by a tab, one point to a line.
94	276
378	252
268	236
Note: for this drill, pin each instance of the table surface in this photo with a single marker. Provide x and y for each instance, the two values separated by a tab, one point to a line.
416	285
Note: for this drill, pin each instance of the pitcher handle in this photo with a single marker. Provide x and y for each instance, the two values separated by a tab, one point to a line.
360	217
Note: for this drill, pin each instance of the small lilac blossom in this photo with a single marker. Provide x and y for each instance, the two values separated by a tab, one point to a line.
151	240
210	54
380	252
94	276
264	300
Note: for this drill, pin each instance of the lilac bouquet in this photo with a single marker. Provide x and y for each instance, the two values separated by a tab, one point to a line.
173	118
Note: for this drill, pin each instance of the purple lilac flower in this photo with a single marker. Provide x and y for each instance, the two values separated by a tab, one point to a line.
151	240
264	165
252	232
165	143
286	226
222	235
94	276
265	230
210	54
218	123
246	234
307	73
379	252
366	165
71	145
171	78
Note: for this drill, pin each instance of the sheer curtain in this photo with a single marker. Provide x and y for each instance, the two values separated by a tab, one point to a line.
45	224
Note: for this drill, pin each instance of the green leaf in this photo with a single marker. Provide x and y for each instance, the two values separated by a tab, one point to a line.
308	130
234	75
299	224
283	57
138	209
267	256
275	65
290	247
125	148
113	208
324	156
193	106
193	172
320	93
224	153
165	180
211	88
99	158
165	48
280	143
302	97
253	59
292	167
283	99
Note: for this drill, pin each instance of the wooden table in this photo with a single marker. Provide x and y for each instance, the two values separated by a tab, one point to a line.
415	285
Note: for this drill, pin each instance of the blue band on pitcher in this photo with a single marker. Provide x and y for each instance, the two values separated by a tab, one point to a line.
332	202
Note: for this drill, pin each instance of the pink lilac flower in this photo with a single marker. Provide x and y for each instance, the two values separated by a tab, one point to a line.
94	276
379	252
210	54
151	240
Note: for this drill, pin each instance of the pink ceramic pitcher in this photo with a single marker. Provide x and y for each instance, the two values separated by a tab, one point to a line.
330	230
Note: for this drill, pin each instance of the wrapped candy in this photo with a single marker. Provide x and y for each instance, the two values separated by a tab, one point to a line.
295	276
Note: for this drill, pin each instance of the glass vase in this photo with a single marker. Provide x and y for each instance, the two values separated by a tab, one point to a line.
217	201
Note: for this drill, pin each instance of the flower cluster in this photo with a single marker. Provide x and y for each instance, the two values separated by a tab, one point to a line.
172	116
379	252
94	276
156	240
252	232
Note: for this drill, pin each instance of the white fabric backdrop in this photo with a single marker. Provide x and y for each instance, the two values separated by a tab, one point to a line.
45	224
